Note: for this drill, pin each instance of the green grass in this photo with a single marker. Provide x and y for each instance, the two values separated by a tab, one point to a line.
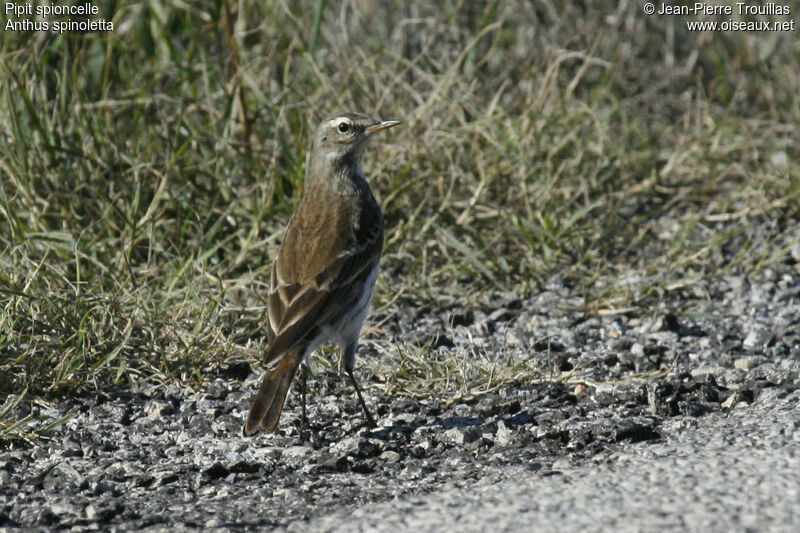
146	174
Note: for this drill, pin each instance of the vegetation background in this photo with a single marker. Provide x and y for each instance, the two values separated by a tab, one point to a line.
146	174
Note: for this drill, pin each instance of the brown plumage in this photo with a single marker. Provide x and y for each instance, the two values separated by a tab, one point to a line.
323	279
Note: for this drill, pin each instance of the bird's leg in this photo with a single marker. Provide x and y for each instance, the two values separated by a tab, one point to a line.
303	393
370	421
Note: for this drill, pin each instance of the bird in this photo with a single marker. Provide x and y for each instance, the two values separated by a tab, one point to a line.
322	281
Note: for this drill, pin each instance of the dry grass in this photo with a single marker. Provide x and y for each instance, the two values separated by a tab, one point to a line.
147	173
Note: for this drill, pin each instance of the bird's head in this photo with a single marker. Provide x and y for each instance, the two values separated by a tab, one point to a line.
340	141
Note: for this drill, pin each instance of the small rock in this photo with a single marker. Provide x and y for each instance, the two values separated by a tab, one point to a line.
460	435
348	446
157	409
454	435
413	471
795	252
728	403
63	476
504	436
462	410
661	398
390	457
700	372
757	338
512	339
779	160
217	389
295	454
748	363
332	463
741	396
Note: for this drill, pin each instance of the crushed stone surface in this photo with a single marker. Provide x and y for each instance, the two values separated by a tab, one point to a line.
687	418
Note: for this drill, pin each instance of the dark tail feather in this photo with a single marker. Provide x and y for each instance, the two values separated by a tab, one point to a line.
268	404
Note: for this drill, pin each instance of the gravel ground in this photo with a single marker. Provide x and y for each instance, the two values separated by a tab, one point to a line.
688	419
729	471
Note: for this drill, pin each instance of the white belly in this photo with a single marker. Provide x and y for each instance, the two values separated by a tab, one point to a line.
347	328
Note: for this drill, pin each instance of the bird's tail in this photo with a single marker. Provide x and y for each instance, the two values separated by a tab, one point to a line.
268	404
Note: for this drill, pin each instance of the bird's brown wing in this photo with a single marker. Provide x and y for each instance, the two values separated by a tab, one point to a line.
316	268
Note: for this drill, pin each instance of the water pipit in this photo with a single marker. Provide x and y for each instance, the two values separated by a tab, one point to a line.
322	282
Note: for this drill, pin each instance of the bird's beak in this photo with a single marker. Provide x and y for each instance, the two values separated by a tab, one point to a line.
383	125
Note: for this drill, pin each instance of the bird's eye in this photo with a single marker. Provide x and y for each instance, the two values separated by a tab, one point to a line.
343	127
